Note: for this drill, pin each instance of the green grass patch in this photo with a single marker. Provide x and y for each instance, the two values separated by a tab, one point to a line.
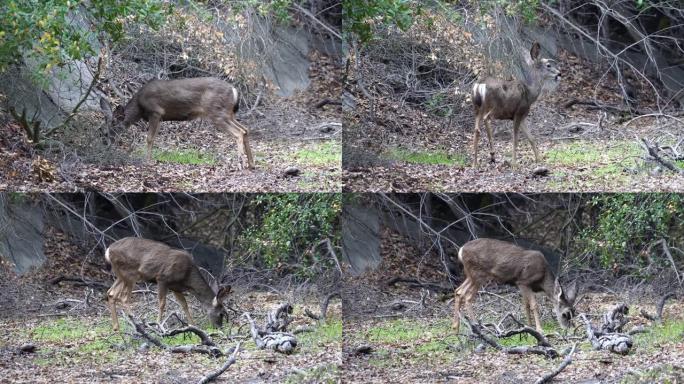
186	156
325	334
432	342
85	341
66	330
427	157
397	331
328	153
668	332
605	161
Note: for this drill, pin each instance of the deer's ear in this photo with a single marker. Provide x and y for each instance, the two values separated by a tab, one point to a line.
534	51
557	289
223	292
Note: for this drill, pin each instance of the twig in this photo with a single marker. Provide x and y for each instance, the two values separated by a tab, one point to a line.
206	340
653	151
566	361
661	303
213	375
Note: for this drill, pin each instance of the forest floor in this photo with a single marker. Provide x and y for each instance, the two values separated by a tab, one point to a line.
71	330
407	335
192	156
401	145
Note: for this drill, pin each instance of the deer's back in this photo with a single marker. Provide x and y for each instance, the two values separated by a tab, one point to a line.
149	260
187	99
503	262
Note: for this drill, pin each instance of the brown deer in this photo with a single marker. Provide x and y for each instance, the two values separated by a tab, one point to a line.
487	260
184	100
511	100
134	259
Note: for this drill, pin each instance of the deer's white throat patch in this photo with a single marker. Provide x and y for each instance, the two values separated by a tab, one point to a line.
107	255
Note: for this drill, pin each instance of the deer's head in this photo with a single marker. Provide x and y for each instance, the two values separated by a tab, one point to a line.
545	69
564	305
217	311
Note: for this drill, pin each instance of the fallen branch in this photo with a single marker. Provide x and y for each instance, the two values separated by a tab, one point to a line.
541	339
544	350
140	328
213	375
324	307
613	342
566	361
79	282
604	107
207	347
202	349
282	342
659	308
653	152
327	101
206	340
279	318
614	320
415	283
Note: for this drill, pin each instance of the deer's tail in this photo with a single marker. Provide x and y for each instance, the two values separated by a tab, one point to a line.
108	262
479	92
236	97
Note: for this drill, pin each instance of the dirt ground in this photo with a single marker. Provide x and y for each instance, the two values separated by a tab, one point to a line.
192	156
71	330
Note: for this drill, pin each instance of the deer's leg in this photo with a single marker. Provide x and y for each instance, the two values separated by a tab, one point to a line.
532	302
125	295
152	128
523	127
476	136
458	300
184	305
245	143
489	136
162	290
112	297
516	129
525	292
244	152
469	297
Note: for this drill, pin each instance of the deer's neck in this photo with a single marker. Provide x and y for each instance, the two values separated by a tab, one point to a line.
549	286
200	289
533	83
132	112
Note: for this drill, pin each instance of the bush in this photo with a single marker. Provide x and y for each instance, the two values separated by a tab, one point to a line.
623	225
290	225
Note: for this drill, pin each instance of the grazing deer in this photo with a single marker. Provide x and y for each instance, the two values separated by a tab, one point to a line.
512	99
134	259
184	100
506	263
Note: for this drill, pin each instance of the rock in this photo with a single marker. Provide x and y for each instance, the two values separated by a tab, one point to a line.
363	350
540	171
292	171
